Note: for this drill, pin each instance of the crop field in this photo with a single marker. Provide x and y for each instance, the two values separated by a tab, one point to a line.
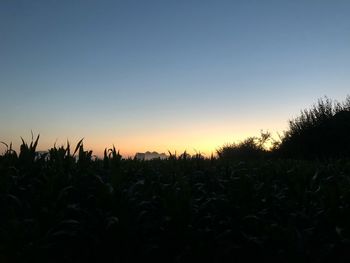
66	206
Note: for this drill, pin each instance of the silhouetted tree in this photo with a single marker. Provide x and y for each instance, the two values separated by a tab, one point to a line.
323	131
250	148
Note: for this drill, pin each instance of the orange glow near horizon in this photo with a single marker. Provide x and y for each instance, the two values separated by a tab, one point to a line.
203	137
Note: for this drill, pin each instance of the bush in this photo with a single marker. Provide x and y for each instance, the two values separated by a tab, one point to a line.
250	148
323	131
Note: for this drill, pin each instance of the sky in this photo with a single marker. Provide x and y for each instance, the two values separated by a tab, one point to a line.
166	75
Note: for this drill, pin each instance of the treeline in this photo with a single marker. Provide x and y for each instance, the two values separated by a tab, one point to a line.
321	132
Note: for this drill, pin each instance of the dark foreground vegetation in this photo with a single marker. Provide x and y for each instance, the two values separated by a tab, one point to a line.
247	204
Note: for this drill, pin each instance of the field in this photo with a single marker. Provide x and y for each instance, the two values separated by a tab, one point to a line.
68	207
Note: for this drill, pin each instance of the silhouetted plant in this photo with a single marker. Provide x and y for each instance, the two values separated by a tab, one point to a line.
250	148
65	208
323	131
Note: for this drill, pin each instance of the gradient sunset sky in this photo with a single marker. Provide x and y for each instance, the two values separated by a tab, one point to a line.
166	75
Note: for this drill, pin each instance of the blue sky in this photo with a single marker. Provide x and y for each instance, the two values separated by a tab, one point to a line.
166	75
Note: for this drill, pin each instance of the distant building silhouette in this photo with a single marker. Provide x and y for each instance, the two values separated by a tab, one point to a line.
150	155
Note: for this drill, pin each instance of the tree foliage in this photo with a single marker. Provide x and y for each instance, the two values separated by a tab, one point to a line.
323	131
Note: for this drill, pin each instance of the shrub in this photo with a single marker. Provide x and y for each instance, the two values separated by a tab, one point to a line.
323	131
250	148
